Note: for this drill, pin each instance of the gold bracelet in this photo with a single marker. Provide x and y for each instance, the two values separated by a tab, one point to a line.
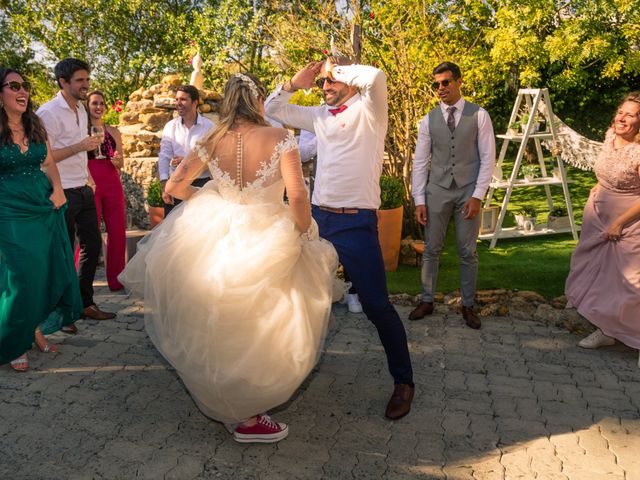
293	88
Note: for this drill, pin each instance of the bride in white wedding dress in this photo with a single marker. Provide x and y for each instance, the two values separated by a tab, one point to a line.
237	285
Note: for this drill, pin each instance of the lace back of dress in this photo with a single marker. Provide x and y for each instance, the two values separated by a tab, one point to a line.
248	159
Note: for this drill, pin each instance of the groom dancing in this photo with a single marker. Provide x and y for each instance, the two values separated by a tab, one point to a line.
350	129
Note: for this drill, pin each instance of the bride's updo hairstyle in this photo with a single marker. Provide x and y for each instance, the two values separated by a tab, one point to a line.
243	96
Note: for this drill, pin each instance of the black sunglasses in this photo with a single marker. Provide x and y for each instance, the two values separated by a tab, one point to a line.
321	80
15	86
444	83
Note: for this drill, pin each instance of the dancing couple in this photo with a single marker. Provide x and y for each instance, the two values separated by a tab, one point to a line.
237	285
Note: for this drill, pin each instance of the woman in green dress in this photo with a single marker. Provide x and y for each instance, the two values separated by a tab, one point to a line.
39	289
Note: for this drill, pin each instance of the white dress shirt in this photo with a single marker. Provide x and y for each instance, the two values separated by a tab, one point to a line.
308	145
67	127
350	144
178	140
422	156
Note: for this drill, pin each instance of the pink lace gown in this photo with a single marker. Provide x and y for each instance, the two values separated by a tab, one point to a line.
604	281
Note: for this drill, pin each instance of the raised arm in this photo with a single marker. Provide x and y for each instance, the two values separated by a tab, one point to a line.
277	104
179	184
52	126
371	81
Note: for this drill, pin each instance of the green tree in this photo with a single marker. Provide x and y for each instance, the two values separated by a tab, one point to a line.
128	42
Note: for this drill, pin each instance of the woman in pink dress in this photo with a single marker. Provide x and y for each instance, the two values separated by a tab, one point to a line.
604	281
109	195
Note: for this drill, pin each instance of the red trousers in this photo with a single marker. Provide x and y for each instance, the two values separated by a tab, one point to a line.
110	208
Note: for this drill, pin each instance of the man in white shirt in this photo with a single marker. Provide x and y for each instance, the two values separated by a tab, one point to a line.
350	130
452	167
178	139
66	122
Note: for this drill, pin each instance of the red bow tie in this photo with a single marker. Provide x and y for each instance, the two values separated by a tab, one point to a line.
335	111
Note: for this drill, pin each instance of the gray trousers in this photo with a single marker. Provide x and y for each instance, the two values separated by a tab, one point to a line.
441	204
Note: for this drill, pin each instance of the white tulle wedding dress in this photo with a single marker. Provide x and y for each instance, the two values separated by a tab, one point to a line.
236	299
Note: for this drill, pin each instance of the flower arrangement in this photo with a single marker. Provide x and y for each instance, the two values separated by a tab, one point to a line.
528	211
558	212
529	171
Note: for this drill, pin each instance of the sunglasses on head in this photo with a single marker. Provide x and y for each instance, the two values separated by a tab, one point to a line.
321	80
444	83
15	86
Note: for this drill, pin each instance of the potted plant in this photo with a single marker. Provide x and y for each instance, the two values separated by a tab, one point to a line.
526	218
390	220
513	129
155	204
529	172
523	122
558	218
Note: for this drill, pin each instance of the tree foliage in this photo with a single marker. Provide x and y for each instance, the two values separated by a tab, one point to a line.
587	52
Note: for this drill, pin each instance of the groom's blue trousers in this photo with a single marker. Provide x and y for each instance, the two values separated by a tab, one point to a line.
355	238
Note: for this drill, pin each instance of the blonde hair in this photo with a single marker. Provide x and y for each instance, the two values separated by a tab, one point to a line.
240	103
633	97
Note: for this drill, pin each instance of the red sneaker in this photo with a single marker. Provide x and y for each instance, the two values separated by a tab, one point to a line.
264	431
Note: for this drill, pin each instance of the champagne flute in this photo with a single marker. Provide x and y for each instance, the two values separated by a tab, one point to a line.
98	131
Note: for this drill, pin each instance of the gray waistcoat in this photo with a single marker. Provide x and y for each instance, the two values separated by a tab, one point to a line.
454	156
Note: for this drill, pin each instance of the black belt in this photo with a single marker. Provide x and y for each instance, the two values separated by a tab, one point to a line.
77	188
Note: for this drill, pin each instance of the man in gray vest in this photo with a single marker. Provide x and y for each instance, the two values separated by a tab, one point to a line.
452	167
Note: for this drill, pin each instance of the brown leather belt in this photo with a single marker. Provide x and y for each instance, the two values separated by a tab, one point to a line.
348	211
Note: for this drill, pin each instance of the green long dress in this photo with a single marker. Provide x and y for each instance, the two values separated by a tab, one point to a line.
38	281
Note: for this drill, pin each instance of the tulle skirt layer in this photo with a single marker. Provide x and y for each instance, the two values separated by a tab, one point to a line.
236	300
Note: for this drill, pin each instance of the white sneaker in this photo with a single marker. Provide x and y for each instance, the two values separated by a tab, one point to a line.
353	303
596	340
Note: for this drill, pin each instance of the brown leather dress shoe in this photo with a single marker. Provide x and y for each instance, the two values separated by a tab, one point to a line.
94	313
400	402
470	317
421	311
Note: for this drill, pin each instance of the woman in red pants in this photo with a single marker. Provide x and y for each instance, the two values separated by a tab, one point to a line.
108	194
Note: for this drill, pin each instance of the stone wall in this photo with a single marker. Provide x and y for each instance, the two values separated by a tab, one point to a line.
141	124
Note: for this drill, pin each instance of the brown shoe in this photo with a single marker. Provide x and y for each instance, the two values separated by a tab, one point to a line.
400	402
421	311
470	317
94	313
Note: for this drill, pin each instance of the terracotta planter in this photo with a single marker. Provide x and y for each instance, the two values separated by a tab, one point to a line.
156	215
389	236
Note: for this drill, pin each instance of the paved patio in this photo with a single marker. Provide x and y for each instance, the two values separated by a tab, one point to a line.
515	400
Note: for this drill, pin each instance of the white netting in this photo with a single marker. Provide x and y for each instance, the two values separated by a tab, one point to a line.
572	147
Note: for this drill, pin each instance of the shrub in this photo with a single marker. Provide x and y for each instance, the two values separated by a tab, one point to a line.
154	194
528	211
391	192
558	212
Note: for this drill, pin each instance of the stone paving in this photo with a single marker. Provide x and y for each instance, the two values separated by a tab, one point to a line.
515	400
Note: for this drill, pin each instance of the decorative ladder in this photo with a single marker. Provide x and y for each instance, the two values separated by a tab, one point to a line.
534	102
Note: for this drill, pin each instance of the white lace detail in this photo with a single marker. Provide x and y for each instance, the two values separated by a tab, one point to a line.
204	156
268	171
619	168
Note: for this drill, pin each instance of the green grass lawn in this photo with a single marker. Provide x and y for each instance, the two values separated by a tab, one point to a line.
540	264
